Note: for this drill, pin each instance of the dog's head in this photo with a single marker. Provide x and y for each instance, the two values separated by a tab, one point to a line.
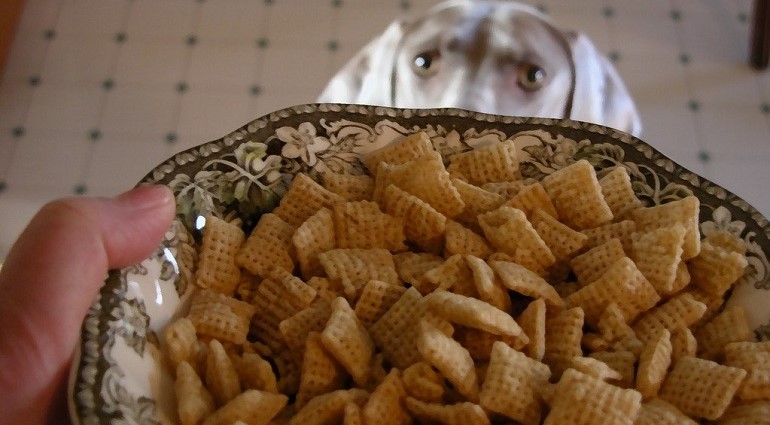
490	56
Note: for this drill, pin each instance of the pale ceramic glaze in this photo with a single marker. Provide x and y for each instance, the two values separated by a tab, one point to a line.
118	376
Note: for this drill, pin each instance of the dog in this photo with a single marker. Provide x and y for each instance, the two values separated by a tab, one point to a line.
495	57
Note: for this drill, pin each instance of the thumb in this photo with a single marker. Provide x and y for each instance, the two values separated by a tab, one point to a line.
50	278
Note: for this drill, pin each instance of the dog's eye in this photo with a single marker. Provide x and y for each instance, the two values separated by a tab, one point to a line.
426	63
531	77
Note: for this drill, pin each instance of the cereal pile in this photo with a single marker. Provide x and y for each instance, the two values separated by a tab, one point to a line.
464	294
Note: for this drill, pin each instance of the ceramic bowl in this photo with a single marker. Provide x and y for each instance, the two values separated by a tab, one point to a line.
117	376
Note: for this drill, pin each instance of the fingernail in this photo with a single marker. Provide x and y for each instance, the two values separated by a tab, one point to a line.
146	197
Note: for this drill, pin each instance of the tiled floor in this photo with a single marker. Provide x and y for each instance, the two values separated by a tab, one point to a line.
97	92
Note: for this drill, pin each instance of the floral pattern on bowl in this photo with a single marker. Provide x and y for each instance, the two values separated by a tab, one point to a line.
118	376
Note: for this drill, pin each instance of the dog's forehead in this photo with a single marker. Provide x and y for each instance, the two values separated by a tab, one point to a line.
512	25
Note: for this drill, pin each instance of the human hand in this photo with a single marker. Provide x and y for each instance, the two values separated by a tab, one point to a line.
48	282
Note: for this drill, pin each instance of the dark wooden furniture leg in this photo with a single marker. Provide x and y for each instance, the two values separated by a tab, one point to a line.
760	34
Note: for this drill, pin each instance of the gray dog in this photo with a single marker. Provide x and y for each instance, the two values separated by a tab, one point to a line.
495	57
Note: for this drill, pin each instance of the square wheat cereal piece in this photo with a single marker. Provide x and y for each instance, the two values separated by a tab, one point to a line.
472	312
422	224
713	302
411	147
657	254
328	408
463	413
624	362
658	412
622	230
715	270
288	366
479	343
411	266
754	413
295	329
592	342
361	224
728	326
618	192
350	187
681	310
560	239
684	211
612	325
325	288
321	372
269	244
220	376
376	298
477	201
512	385
495	162
217	269
622	284
352	415
683	343
219	316
292	291
532	322
591	264
348	341
423	383
352	268
654	361
303	199
595	368
508	189
253	407
453	275
754	357
488	286
521	280
580	399
314	236
256	373
397	331
726	240
194	402
387	403
459	239
701	388
509	231
563	336
533	197
577	196
450	358
427	179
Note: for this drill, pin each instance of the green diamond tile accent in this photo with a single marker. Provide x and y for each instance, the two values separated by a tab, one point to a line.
80	189
676	15
405	5
608	12
108	84
694	105
263	42
95	135
3	186
255	90
120	37
743	17
542	8
269	2
765	108
704	156
18	132
181	87
333	45
614	56
684	59
171	137
191	40
49	34
34	81
337	3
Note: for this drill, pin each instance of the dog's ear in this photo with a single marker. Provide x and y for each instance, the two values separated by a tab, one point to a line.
600	94
366	78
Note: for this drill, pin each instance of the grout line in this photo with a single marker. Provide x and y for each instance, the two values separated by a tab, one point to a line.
20	128
95	134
